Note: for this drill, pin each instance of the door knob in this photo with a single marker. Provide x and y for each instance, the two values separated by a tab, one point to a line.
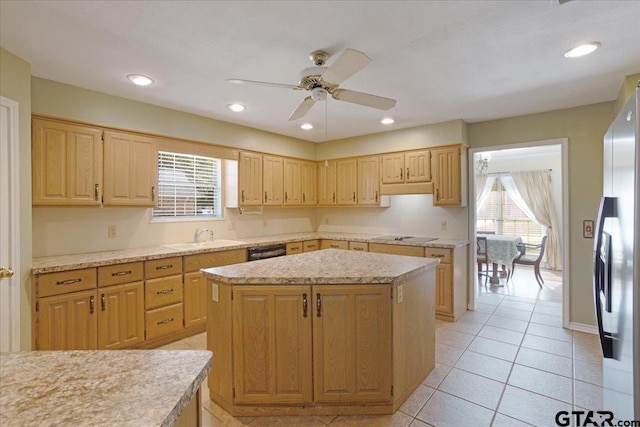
5	272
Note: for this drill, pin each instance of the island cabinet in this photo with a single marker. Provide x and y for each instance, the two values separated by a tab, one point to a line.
291	348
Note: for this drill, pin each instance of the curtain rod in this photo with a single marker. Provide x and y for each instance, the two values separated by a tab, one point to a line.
504	173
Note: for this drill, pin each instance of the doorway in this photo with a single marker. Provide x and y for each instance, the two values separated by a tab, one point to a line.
497	163
9	227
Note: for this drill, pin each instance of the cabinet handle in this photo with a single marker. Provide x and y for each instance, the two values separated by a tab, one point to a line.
242	195
357	249
318	305
285	197
164	291
153	194
95	192
437	194
103	303
303	198
92	303
407	173
265	196
305	305
437	256
334	197
295	248
354	196
401	170
165	321
121	273
376	196
68	281
164	267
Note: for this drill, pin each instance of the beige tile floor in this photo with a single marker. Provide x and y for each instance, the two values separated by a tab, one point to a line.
509	363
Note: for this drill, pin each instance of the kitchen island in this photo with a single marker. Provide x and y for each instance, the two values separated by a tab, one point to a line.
102	388
330	332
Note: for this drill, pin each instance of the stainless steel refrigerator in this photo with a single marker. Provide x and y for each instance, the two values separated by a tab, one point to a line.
617	265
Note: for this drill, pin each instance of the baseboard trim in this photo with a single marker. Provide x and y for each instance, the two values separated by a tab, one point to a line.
581	327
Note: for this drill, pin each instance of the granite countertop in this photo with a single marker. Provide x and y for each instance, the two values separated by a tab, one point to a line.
99	388
329	266
57	263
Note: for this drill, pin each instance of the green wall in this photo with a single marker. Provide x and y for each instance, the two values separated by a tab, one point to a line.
15	83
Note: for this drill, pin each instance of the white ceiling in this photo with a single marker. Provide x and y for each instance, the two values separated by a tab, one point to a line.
441	60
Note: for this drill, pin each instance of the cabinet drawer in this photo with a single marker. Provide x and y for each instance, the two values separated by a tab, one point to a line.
162	267
294	248
443	254
164	291
310	245
120	273
335	244
396	249
163	321
214	259
359	246
66	281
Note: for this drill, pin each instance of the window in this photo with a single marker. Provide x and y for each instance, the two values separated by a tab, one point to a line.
501	215
189	187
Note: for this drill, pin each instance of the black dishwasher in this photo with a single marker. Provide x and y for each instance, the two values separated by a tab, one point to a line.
268	251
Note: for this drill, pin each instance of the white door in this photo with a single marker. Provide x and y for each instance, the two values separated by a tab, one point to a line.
9	228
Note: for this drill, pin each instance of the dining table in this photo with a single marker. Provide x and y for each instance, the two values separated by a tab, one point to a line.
502	250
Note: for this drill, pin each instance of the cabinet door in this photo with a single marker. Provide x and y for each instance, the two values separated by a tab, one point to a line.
68	322
393	168
309	183
352	343
121	316
272	180
195	299
66	164
292	182
130	169
272	344
327	183
250	179
346	181
447	179
444	289
369	180
418	166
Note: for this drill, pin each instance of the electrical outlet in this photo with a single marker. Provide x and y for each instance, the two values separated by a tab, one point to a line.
443	225
112	231
215	292
400	293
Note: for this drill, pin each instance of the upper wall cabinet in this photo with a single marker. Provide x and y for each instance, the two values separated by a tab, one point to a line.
327	183
369	180
406	172
272	180
130	169
250	179
346	182
450	177
309	183
66	164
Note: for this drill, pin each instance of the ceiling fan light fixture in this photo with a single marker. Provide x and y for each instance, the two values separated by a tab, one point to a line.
387	121
307	126
140	80
236	107
582	50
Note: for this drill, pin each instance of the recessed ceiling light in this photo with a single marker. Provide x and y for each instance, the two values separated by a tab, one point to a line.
582	50
387	121
307	126
236	107
140	80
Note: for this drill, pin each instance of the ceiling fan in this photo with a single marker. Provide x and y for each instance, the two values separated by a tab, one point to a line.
321	80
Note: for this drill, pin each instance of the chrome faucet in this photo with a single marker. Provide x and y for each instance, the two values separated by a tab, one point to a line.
196	235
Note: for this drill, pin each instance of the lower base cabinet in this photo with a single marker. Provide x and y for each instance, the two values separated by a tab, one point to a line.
121	316
68	322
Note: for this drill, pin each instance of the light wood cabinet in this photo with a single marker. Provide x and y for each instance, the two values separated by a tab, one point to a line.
292	182
417	166
359	246
310	245
451	289
368	180
327	183
407	172
250	179
272	344
121	316
449	180
130	169
272	180
294	248
67	322
309	183
163	297
66	164
346	182
396	249
351	343
392	168
334	244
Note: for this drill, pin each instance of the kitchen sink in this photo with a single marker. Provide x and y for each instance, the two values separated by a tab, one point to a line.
394	238
219	243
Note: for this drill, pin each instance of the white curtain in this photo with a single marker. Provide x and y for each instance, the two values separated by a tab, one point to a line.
533	189
484	183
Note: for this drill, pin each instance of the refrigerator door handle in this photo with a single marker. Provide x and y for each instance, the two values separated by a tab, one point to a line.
602	272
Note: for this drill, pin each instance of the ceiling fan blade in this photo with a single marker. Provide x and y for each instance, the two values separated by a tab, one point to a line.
365	99
253	82
302	109
347	64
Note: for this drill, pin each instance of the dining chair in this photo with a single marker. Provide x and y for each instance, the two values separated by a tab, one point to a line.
482	257
530	259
